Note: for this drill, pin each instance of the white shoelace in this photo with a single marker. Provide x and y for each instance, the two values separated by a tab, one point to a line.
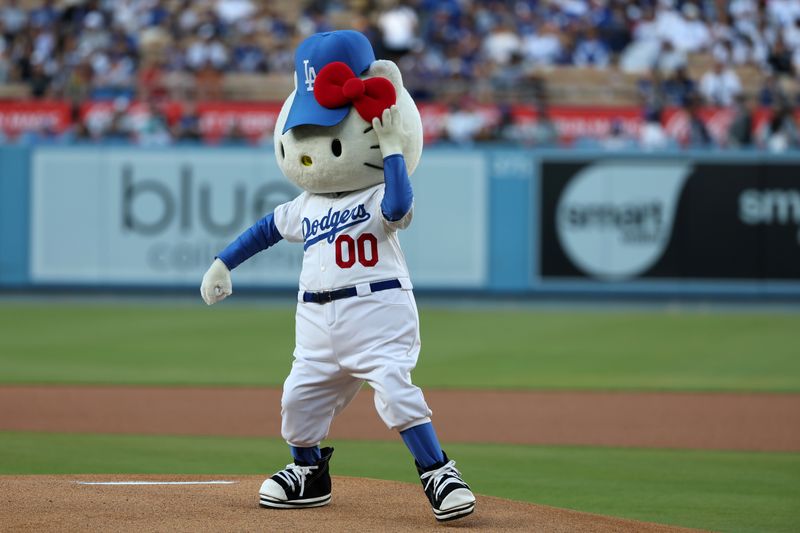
297	473
439	480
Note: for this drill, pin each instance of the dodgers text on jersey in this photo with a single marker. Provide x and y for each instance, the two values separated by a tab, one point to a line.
332	223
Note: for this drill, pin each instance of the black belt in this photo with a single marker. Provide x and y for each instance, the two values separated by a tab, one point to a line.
324	297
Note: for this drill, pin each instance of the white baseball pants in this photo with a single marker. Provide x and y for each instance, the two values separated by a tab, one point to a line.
339	346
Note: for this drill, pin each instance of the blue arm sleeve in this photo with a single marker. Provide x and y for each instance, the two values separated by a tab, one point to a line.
259	236
397	196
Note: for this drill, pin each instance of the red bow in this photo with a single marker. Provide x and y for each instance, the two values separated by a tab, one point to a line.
337	86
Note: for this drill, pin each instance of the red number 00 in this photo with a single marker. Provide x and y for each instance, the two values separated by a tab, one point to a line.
357	249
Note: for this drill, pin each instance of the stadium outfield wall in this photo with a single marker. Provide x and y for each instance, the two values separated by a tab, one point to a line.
487	220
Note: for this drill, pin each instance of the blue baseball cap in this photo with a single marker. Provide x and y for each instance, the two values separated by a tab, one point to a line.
349	47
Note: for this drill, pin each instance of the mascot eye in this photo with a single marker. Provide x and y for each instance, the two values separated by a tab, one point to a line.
283	152
336	147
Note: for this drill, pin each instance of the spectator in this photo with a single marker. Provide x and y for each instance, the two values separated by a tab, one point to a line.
233	11
82	133
44	16
115	75
591	51
234	136
187	127
783	12
76	83
643	53
679	88
720	85
722	51
685	30
780	58
780	132
791	34
646	28
617	139
119	127
208	82
511	77
94	37
652	135
398	26
419	71
463	124
670	59
693	34
248	56
281	59
150	128
206	50
651	90
616	31
543	47
771	93
697	135
13	17
740	133
152	79
5	66
44	43
501	44
39	81
796	61
544	132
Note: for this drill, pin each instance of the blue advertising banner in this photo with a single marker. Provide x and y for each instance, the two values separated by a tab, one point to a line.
124	216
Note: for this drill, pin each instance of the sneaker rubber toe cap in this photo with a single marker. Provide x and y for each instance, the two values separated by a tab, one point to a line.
457	498
273	490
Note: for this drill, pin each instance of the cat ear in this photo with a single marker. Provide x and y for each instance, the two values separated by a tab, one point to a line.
386	69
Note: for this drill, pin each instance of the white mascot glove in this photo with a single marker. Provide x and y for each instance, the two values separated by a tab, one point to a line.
389	129
216	283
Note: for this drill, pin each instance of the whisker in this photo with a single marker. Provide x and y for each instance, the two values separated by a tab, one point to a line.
373	166
375	146
368	129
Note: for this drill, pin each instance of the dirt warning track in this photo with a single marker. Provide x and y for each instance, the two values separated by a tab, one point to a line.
58	503
760	422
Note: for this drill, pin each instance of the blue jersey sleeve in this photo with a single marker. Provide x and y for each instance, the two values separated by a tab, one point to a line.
259	236
397	196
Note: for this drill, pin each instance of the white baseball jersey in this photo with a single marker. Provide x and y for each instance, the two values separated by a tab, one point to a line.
343	343
346	239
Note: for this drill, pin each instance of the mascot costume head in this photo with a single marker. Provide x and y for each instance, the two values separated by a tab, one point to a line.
324	141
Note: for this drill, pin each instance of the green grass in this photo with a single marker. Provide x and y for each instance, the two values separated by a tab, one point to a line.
728	491
235	345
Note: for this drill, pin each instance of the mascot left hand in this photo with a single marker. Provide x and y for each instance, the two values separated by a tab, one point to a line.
216	284
389	129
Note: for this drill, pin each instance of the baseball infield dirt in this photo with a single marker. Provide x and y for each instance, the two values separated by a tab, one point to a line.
759	422
765	422
48	503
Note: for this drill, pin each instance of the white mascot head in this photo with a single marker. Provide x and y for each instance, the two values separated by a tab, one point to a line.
324	140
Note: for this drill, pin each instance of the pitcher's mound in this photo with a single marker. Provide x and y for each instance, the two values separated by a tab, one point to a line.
37	503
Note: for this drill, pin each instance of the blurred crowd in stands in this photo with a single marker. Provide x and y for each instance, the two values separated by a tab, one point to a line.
465	53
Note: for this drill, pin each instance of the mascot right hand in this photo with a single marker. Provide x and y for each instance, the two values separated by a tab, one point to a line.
216	283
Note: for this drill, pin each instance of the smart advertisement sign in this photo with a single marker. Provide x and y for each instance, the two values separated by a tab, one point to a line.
618	220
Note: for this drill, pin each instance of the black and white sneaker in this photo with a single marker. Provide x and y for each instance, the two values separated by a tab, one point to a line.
299	485
450	497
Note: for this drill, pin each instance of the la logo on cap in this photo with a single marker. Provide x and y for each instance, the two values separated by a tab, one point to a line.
311	75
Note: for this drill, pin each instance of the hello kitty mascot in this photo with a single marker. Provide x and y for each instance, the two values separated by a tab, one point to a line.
349	135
